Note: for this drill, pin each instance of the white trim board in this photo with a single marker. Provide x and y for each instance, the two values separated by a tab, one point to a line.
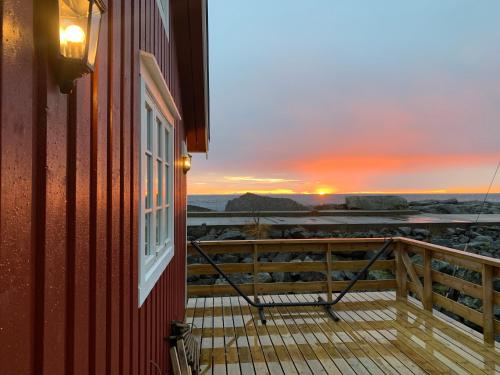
151	72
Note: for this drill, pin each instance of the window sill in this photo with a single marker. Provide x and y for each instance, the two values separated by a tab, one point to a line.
154	273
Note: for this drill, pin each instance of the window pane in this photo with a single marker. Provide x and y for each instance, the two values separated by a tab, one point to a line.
159	191
167	140
159	134
158	226
149	126
147	234
167	191
149	178
165	224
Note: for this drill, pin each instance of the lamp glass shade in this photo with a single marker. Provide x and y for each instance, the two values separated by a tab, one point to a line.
79	23
95	22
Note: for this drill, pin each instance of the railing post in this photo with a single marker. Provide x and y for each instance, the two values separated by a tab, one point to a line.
401	291
329	272
255	270
488	317
427	294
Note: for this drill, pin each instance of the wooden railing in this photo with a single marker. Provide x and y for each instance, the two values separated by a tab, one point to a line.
420	278
408	275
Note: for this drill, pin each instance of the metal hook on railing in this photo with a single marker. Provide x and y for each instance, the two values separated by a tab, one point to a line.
321	302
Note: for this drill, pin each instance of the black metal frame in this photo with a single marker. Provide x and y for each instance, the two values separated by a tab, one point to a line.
321	302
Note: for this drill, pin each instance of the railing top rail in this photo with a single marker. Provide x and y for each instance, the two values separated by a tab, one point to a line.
280	241
452	252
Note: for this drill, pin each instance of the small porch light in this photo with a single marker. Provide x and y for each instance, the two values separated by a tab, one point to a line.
79	24
186	163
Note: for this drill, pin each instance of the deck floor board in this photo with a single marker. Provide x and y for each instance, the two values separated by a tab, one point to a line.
376	335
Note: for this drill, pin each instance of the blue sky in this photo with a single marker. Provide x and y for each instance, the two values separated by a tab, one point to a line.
349	96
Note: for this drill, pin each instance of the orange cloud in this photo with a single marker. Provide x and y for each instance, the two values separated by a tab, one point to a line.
256	179
385	163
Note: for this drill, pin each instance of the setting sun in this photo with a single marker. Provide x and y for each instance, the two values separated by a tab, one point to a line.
325	190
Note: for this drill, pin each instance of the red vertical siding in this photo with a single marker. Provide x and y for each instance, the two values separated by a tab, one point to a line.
69	201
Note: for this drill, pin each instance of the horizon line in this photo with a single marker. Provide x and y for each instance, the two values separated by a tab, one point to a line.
356	193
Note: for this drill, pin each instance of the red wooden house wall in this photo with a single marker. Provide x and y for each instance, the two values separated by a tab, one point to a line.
69	200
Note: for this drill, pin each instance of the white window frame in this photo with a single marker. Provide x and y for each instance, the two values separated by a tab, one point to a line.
164	9
155	96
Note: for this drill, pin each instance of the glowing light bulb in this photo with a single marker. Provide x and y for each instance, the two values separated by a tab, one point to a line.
186	163
74	34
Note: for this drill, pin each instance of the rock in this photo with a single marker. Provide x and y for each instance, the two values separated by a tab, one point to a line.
282	257
280	277
312	276
237	278
421	232
254	202
442	242
299	233
190	259
376	202
440	289
417	259
264	277
463	239
349	275
330	207
380	275
496	284
321	234
208	237
476	246
227	258
496	312
192	279
481	238
405	231
338	275
231	234
442	266
198	231
424	202
247	260
275	233
450	231
468	275
473	303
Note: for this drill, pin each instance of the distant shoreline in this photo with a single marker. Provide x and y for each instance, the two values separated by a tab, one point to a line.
217	202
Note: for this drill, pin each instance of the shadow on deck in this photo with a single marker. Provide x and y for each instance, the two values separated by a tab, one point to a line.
376	335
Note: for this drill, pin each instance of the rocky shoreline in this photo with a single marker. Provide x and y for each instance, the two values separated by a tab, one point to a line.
479	239
254	203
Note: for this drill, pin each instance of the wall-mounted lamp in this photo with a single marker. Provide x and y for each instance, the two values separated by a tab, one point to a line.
79	24
186	163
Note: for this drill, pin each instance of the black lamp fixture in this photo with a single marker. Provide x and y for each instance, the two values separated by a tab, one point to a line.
79	24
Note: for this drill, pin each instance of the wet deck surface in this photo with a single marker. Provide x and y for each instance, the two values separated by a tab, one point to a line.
427	219
376	335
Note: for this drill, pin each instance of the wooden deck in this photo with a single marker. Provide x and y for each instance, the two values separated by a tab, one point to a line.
376	335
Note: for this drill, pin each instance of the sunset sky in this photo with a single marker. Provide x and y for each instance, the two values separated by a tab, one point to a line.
352	96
